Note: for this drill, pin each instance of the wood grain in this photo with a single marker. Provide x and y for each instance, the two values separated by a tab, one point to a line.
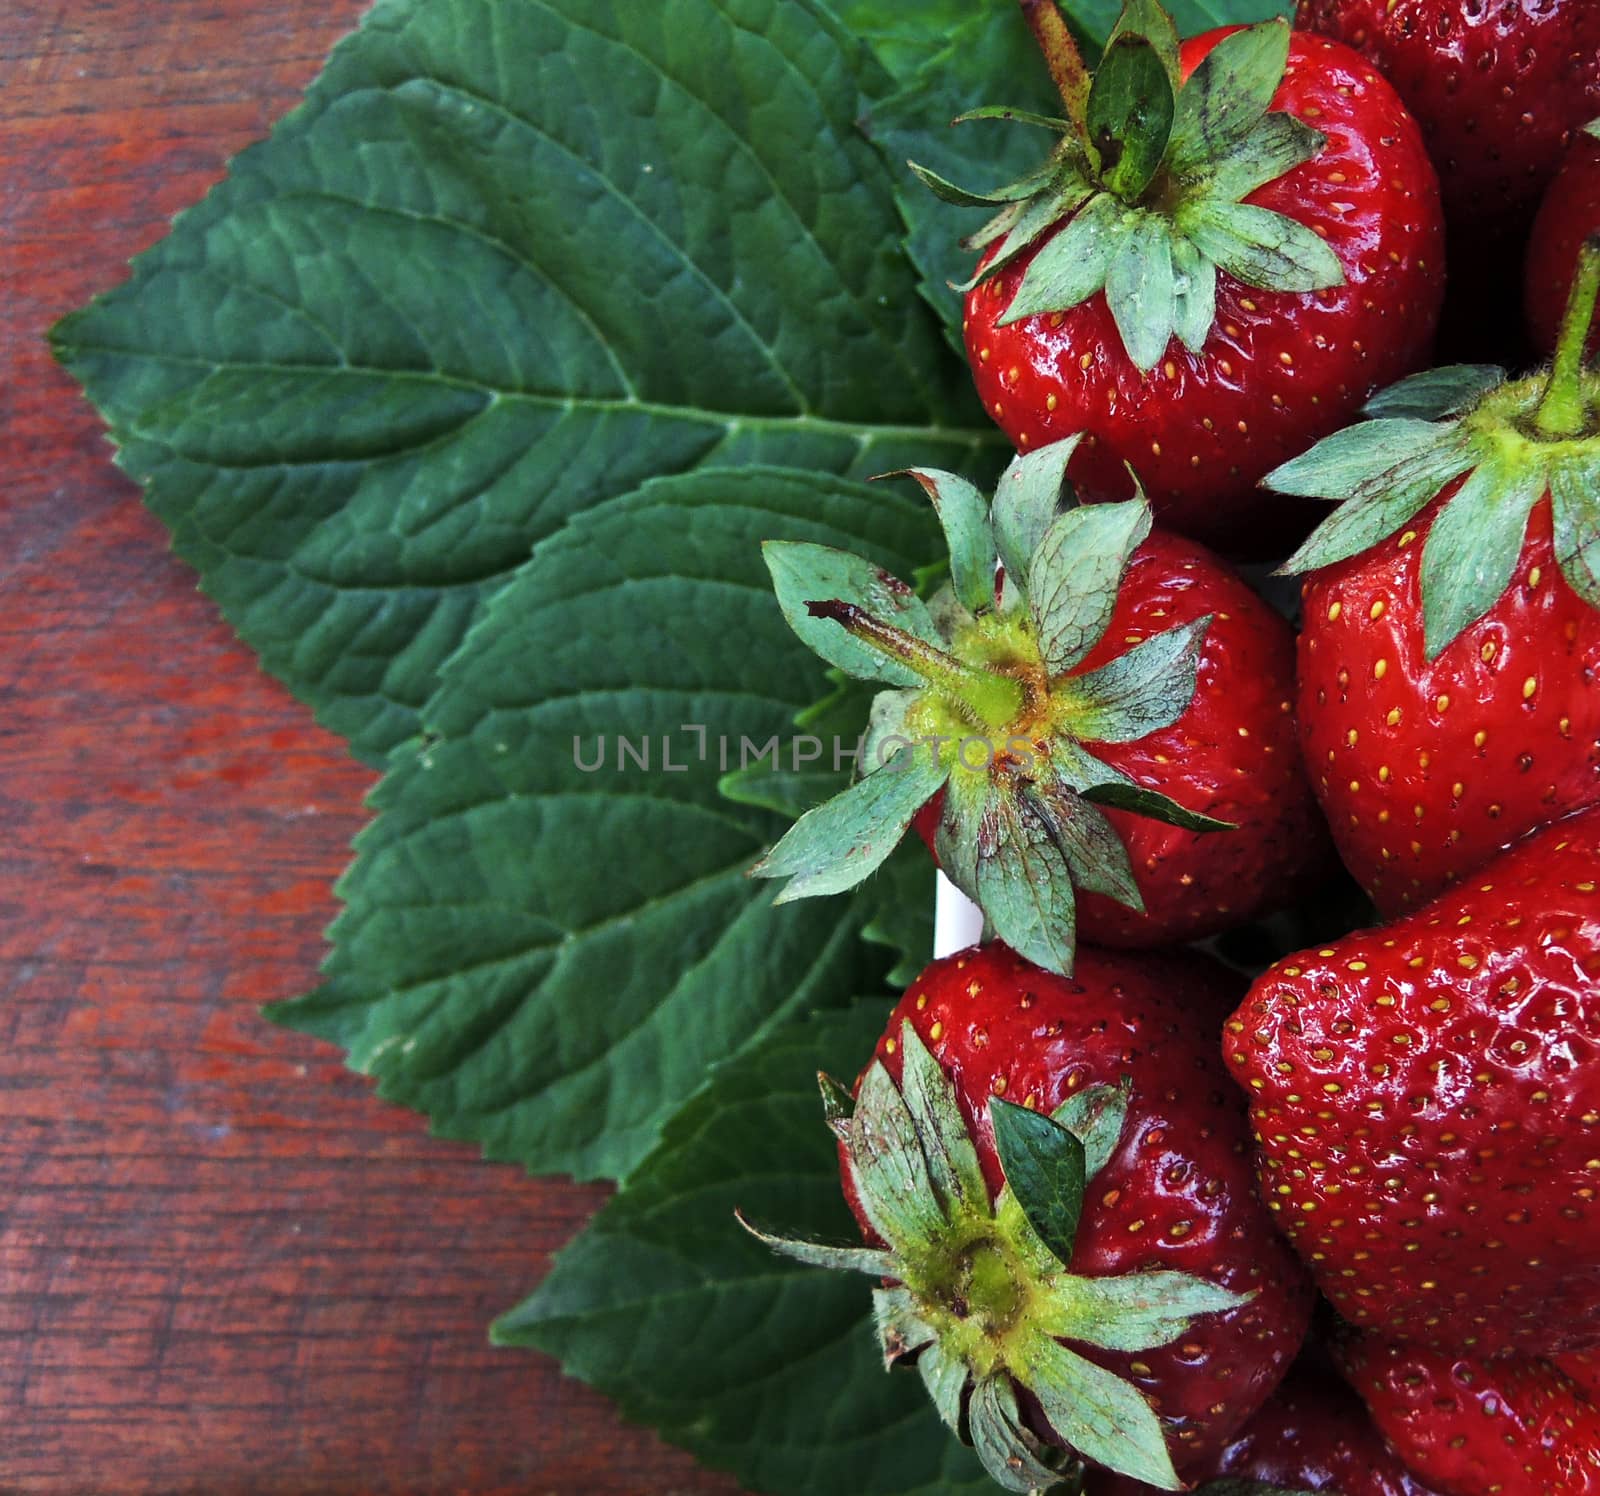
224	1266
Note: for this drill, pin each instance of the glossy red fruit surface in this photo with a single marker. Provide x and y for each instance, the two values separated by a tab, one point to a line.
1569	213
1426	771
1498	86
1426	1100
1481	1428
1232	755
1179	1191
1312	1435
1279	370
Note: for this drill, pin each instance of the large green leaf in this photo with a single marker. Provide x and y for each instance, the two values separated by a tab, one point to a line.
509	259
755	1363
547	960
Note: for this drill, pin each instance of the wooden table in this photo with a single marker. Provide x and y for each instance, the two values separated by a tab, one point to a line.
224	1267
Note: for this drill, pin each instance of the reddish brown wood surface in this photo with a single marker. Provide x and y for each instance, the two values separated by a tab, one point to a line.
224	1266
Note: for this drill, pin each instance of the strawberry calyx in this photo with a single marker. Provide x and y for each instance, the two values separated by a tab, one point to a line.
1505	444
1150	172
990	706
978	1292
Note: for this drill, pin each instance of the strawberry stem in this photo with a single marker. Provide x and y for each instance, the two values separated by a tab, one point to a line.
1061	56
1563	411
992	699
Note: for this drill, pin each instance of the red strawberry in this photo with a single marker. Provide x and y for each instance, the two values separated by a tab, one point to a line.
1115	752
1336	294
1448	658
1499	86
1312	1435
1569	214
1127	1228
1426	1099
1481	1428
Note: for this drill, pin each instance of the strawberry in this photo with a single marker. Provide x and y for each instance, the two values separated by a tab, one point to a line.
1499	87
1569	214
1206	279
1104	727
1053	1176
1481	1428
1426	1099
1447	699
1311	1436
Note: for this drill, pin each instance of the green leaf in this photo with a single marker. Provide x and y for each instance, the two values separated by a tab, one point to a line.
1075	574
1135	1312
1026	502
1142	691
1227	95
455	300
1024	887
1259	247
1123	795
759	1366
1577	527
1142	292
1101	1416
1045	1170
832	848
502	886
964	514
1130	113
1435	393
1073	265
803	573
1097	1116
1472	549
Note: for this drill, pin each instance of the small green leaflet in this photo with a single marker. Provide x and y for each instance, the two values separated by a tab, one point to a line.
757	1364
1045	1169
454	301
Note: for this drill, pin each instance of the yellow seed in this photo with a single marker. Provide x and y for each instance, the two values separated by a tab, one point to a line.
1335	611
1529	686
1380	670
1376	610
1443	703
1050	402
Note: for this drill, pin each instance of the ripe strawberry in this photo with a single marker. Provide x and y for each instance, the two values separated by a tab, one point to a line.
1210	298
1447	697
1569	214
1426	1099
1499	87
1040	1163
1133	743
1312	1435
1481	1428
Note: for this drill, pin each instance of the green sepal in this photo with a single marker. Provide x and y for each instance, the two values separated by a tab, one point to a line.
1194	294
890	1170
1097	1116
1072	266
1227	95
1472	549
834	1257
1130	111
946	1377
902	1331
1045	1170
1277	143
838	1105
1024	885
1122	794
1435	393
1013	192
1593	128
1142	292
1016	1459
803	572
1136	1312
1097	1413
1075	574
1064	196
1096	857
1576	519
1260	247
1026	502
947	1145
1016	116
843	840
1144	690
964	514
1359	457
